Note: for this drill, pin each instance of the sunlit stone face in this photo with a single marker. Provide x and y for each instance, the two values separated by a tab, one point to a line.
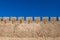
45	19
21	19
37	19
53	19
28	20
6	19
59	19
13	19
1	19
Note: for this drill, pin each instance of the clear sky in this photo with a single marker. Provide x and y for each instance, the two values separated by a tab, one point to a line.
30	8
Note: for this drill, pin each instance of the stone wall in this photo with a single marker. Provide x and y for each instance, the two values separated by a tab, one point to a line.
10	27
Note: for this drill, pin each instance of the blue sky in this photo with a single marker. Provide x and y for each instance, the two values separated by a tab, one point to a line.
30	8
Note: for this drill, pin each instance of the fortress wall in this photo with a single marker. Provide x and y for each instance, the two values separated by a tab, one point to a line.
36	19
11	27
